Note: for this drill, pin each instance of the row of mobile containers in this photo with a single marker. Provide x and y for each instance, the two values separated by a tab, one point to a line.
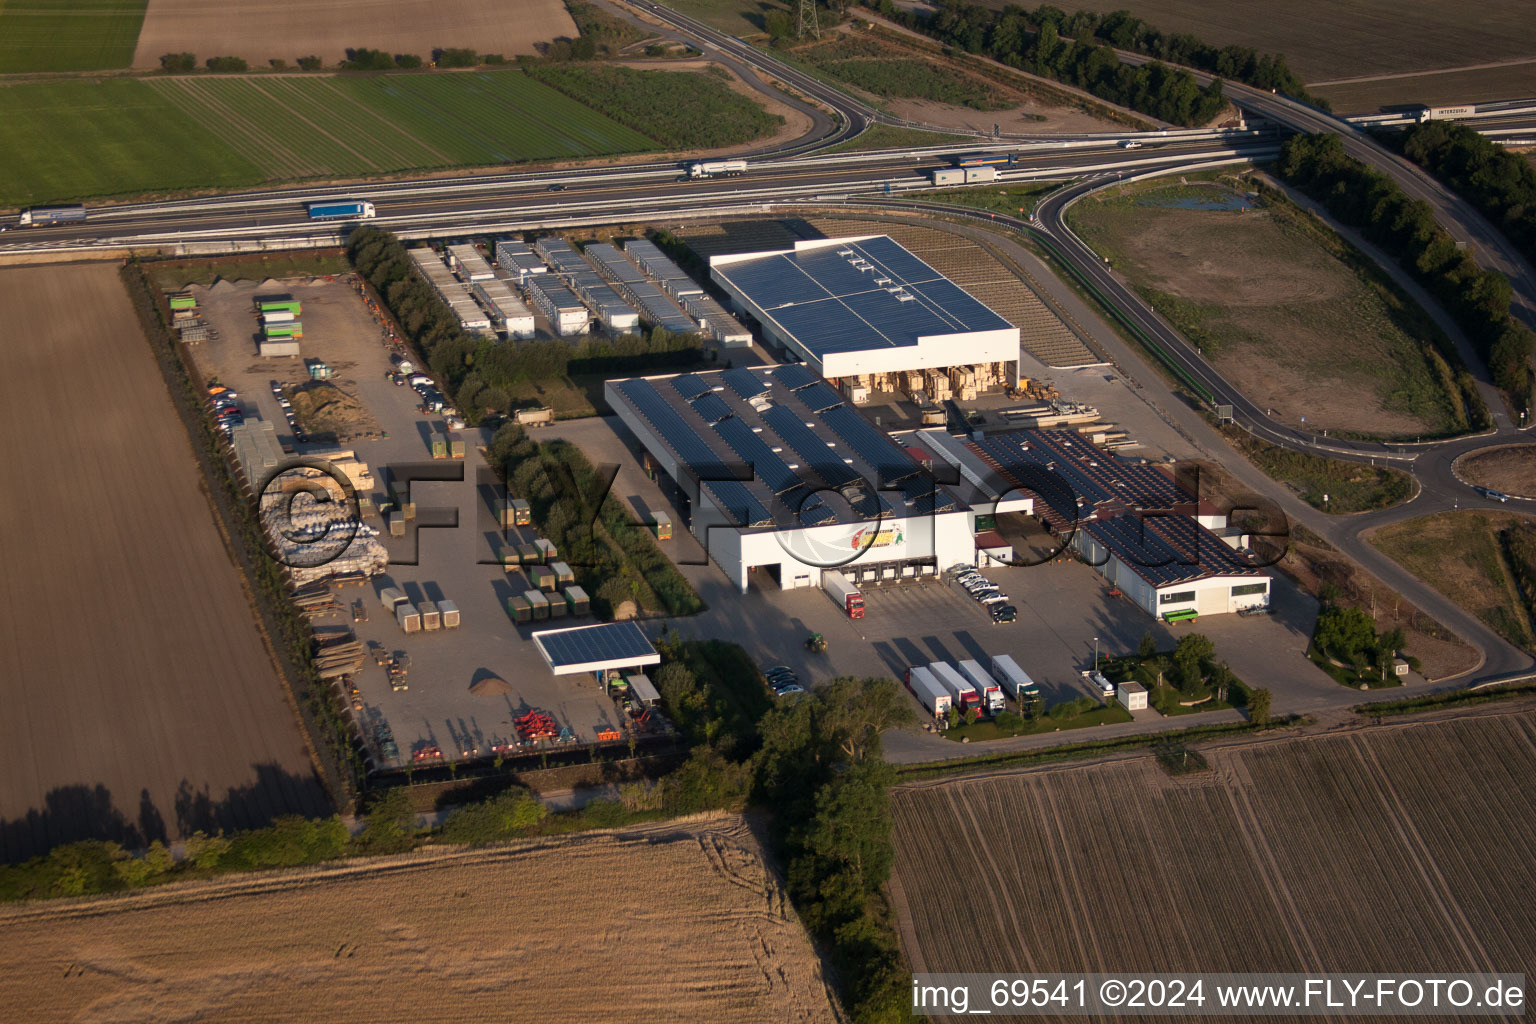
540	552
447	446
941	686
426	615
616	314
537	605
518	261
451	290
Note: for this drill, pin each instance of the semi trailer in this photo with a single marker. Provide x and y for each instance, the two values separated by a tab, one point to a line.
843	593
986	160
991	692
961	692
963	175
1015	680
930	693
717	169
341	211
40	215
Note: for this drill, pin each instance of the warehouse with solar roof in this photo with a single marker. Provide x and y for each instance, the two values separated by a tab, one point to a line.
866	311
784	479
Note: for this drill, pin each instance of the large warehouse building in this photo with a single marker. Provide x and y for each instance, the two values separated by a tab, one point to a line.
856	308
1172	555
786	479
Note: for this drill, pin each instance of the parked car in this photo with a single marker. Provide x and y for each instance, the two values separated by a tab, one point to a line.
785	691
1004	613
996	597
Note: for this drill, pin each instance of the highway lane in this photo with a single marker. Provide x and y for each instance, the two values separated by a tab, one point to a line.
622	191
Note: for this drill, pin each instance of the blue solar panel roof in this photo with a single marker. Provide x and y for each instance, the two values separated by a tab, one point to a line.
1166	550
810	446
891	463
690	385
586	645
796	375
753	450
738	501
857	295
711	407
744	382
819	397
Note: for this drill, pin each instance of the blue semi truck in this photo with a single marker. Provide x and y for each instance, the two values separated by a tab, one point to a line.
40	215
341	211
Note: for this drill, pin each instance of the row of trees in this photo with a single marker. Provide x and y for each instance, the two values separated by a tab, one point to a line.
1499	183
614	558
358	59
477	372
1405	227
1034	41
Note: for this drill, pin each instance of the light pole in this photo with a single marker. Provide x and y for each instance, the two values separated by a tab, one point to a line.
1095	654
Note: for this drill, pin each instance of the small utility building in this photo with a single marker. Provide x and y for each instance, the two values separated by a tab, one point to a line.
857	307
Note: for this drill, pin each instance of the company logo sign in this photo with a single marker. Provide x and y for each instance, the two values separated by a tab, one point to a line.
869	538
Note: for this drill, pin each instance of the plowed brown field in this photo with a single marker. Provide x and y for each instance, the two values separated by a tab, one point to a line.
138	698
674	922
1397	848
260	30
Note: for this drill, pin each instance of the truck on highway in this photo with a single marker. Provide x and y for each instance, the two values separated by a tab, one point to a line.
963	175
341	211
986	160
961	692
843	593
717	168
40	215
1015	680
930	693
991	692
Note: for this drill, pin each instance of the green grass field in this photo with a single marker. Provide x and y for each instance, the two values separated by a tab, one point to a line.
68	35
80	140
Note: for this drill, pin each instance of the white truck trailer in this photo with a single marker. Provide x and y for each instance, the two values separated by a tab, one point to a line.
963	695
991	692
717	168
1014	679
930	693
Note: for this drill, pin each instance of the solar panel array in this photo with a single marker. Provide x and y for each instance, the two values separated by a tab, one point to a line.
673	428
585	645
856	296
744	382
819	397
1053	485
1165	550
749	446
891	463
707	421
711	408
796	375
811	448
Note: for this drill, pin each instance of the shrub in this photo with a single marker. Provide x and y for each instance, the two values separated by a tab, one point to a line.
1009	721
503	817
407	60
178	63
455	57
364	59
226	65
310	63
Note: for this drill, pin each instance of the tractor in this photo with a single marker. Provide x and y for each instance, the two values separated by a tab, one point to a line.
816	643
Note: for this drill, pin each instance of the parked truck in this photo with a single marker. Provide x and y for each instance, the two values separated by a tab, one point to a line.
991	692
930	693
41	215
542	416
963	695
843	593
345	210
717	169
1015	680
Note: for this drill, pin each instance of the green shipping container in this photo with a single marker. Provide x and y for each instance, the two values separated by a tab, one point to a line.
439	446
455	446
280	306
293	330
183	302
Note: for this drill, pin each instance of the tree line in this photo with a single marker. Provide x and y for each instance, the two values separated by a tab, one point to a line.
1364	198
359	58
614	558
481	369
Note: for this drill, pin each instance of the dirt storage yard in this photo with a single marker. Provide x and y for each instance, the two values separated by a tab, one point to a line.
678	921
261	30
1402	847
139	699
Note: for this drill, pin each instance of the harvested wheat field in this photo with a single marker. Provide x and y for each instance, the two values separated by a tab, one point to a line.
264	30
1403	847
140	701
669	922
